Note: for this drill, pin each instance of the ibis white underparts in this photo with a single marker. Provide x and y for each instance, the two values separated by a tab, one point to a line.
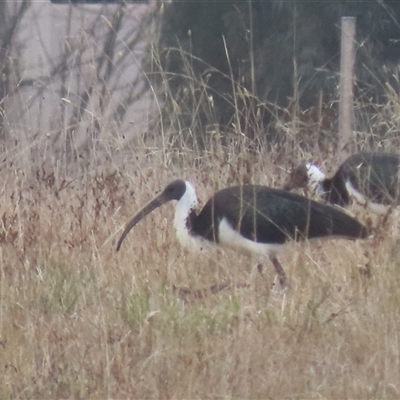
251	219
371	179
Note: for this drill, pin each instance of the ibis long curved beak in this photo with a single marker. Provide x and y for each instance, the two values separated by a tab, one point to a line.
155	203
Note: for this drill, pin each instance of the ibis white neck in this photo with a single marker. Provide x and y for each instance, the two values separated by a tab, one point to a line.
315	178
187	203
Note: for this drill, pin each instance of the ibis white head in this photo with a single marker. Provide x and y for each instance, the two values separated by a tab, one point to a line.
306	176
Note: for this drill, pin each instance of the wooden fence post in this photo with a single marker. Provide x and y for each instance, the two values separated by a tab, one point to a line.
346	144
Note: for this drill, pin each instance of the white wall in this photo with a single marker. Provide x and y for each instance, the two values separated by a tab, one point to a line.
40	108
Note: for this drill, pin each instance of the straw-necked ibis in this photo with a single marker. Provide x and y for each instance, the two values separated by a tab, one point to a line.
371	179
250	218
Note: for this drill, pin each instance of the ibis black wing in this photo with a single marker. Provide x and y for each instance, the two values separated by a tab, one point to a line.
269	215
375	175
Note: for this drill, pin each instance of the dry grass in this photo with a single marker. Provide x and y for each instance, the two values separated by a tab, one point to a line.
79	320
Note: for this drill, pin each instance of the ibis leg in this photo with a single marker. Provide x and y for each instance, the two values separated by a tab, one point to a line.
279	270
260	268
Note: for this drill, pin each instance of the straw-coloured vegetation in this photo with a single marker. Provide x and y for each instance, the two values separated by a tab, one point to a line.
79	320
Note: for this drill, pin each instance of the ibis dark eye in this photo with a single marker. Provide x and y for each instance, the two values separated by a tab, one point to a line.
175	190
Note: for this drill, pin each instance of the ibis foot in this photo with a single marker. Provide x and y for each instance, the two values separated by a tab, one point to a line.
202	293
